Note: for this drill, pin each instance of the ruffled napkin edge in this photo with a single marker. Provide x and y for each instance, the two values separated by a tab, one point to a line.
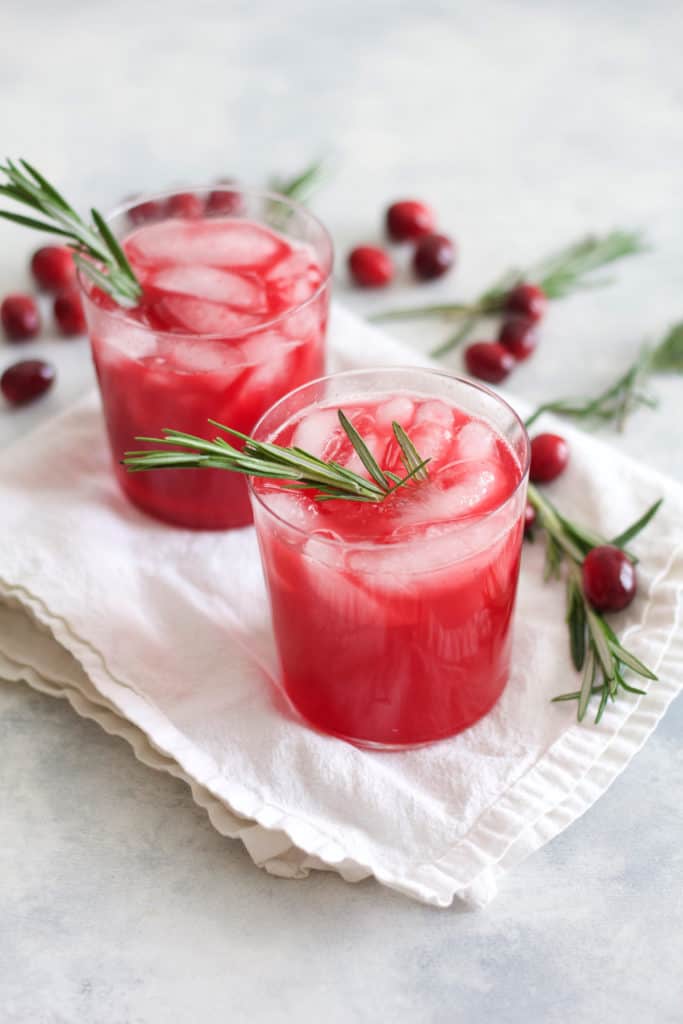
532	811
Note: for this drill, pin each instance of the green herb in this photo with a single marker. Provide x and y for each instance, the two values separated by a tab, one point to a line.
558	275
614	404
302	186
293	467
96	251
594	647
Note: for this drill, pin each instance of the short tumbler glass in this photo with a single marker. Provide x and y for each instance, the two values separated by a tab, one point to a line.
150	379
394	646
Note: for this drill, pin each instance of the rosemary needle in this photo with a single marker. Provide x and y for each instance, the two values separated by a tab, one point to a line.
96	250
594	647
293	467
618	400
558	275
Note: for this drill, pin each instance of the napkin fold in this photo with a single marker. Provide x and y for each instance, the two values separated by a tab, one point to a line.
162	636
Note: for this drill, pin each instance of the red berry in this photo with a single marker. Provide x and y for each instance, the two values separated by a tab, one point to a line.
20	317
224	200
68	311
549	457
370	266
526	300
409	219
433	256
519	335
609	578
489	361
26	380
53	267
150	209
529	517
184	204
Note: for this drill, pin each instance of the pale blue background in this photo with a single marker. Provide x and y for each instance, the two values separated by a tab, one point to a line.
525	124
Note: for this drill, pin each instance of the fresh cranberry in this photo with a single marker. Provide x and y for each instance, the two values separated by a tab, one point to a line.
526	300
53	267
609	578
433	256
489	361
184	204
519	335
549	457
529	517
409	219
20	317
26	380
150	209
370	266
68	310
224	201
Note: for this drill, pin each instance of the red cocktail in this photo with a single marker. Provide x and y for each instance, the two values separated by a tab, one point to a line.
233	316
393	620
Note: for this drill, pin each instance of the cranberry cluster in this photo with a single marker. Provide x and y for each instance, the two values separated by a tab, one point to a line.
407	220
493	361
54	271
608	574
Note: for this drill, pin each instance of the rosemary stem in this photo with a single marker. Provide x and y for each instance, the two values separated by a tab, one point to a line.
551	522
446	310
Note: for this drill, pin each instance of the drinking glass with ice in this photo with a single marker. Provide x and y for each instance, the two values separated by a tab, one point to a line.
393	619
233	316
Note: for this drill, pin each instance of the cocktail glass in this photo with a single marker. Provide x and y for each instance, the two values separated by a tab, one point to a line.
397	639
187	358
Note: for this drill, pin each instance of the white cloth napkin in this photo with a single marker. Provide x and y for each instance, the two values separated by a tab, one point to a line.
162	636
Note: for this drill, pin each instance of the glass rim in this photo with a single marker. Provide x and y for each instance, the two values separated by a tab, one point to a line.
121	314
429	371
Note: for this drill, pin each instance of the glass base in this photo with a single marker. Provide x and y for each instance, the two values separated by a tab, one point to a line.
387	748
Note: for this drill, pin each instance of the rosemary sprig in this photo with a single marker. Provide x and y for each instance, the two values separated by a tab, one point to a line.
96	250
302	186
614	404
292	466
594	647
559	274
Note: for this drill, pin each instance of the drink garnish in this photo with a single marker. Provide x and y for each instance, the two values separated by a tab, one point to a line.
295	468
594	647
555	277
614	404
96	251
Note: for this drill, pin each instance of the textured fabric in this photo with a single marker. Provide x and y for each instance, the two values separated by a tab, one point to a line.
162	636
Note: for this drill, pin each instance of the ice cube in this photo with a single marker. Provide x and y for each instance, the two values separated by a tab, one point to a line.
463	488
212	284
293	507
434	411
296	276
272	357
314	431
303	324
476	440
389	569
338	591
125	337
216	243
432	440
399	409
197	356
406	567
197	316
